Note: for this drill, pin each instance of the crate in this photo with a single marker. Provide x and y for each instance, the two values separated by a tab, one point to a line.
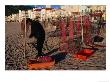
35	64
84	54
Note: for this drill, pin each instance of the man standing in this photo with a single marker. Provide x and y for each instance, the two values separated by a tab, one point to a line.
38	32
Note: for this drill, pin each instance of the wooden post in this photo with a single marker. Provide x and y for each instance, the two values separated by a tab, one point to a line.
82	27
25	37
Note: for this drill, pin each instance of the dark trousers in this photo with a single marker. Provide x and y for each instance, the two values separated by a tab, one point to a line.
40	42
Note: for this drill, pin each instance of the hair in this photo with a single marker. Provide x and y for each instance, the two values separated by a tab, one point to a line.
28	20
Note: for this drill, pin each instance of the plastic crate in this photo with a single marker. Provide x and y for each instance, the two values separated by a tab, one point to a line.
84	54
36	64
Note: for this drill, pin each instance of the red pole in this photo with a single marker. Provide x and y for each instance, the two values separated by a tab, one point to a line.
71	29
63	44
89	29
78	25
63	31
87	25
71	36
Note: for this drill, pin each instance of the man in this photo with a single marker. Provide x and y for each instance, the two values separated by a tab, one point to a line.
38	32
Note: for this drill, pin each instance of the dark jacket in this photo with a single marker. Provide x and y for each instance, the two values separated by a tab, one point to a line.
37	30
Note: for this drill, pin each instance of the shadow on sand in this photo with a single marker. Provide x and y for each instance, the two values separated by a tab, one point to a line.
58	56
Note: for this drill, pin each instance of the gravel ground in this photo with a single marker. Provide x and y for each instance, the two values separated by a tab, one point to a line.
14	53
